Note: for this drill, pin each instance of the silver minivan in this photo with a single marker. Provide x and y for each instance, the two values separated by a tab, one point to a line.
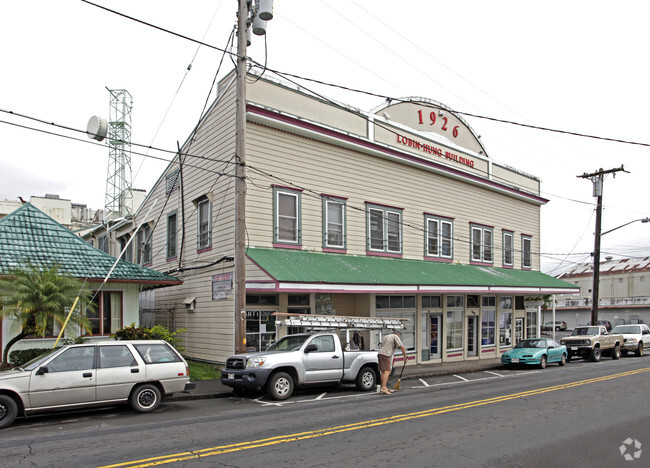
140	373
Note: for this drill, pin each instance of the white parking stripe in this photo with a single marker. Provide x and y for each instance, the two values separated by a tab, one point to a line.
461	378
493	373
424	383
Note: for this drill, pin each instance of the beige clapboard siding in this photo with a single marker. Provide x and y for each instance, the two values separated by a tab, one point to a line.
324	168
209	332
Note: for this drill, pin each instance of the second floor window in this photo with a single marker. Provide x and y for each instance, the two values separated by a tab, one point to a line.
171	235
481	244
102	244
143	245
384	229
204	224
508	249
526	252
287	216
439	237
334	223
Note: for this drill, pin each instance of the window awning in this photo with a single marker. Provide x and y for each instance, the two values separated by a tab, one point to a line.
299	270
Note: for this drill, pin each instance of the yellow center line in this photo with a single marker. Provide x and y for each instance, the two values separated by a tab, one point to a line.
211	451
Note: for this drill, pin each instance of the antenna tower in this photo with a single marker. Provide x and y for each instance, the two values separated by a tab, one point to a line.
119	194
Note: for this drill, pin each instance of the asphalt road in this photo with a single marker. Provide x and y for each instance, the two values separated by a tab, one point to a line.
577	415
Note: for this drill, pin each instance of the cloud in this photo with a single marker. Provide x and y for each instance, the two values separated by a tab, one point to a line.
18	182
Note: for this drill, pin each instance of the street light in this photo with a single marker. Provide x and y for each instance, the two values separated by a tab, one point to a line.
643	220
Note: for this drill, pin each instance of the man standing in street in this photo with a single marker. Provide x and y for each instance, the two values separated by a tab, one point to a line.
386	350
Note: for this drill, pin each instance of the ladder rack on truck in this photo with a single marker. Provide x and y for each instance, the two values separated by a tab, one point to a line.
339	322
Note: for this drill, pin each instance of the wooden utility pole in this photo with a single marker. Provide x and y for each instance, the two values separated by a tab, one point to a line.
240	184
597	179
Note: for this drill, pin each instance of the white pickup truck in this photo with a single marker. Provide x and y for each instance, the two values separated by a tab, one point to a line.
300	360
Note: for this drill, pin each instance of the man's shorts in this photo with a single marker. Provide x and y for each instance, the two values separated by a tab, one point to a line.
384	363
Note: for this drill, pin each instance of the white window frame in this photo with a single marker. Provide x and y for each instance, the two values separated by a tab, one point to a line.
327	222
203	235
434	228
143	245
485	254
508	250
281	218
526	252
172	235
387	230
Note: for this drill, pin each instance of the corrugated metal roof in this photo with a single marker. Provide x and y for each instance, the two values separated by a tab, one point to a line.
314	267
609	267
29	235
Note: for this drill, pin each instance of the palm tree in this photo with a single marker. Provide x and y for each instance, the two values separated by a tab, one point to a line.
36	296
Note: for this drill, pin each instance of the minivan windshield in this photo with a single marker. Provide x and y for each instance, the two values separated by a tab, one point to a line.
288	343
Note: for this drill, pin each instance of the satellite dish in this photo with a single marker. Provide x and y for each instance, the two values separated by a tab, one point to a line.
96	128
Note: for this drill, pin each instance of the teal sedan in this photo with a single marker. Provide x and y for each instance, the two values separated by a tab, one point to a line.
536	352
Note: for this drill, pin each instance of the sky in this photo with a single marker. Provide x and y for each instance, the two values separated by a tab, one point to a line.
578	67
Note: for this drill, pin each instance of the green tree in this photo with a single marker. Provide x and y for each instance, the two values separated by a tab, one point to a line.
36	296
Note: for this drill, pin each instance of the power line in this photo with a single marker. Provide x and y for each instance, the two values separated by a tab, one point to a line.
369	93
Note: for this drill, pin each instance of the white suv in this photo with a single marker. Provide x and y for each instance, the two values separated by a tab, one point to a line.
94	374
636	337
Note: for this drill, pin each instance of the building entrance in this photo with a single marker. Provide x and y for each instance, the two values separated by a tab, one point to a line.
472	335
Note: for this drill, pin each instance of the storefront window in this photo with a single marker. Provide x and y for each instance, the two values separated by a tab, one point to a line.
505	329
260	329
429	302
408	333
487	327
531	323
454	329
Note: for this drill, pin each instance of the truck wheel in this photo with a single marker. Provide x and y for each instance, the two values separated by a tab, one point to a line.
366	379
145	398
280	386
542	362
616	352
639	350
563	360
596	354
8	410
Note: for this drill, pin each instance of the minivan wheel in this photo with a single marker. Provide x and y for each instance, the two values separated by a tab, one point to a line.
145	398
8	410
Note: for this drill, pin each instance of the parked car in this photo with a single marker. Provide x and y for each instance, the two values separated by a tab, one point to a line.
636	337
94	374
535	351
559	325
300	360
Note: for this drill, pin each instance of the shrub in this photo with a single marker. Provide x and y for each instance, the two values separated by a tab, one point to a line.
158	332
21	356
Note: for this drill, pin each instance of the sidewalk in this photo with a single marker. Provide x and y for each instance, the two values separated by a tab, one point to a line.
215	389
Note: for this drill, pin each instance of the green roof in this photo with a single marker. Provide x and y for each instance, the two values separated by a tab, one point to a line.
30	236
299	266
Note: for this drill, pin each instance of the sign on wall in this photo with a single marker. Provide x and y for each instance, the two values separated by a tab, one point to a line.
222	286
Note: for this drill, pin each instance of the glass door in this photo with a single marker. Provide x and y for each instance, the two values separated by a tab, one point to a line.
434	335
519	330
472	335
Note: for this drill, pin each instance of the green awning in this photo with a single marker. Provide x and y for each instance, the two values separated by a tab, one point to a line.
304	270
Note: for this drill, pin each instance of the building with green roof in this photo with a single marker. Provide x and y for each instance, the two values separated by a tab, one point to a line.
398	212
28	236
